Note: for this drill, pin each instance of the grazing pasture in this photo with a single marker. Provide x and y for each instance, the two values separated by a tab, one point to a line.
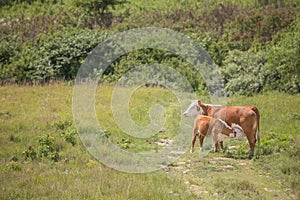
42	157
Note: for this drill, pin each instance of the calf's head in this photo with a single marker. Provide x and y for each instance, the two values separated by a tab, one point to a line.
238	130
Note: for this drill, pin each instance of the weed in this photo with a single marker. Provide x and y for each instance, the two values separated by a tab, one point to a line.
124	143
13	166
107	133
47	148
14	158
92	163
294	116
30	153
69	136
13	138
66	131
62	125
6	114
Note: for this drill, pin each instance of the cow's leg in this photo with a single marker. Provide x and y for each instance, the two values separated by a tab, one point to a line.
251	140
195	132
201	138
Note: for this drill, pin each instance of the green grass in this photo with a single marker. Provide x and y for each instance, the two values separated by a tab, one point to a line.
29	113
140	103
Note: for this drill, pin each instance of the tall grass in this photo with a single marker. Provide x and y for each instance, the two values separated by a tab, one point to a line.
29	113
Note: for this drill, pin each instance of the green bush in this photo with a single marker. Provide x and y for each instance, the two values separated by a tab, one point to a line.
62	125
47	148
124	143
66	131
30	153
243	73
13	166
95	13
60	56
69	135
256	46
153	57
283	60
54	57
10	47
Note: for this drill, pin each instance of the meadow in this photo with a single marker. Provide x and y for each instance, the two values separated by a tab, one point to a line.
42	157
254	45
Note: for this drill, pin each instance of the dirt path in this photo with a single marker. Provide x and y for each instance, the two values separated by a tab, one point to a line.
217	177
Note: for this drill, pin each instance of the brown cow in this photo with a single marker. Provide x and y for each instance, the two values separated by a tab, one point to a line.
246	116
208	126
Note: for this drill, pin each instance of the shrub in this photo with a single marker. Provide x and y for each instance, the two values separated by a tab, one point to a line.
47	148
283	60
243	73
124	143
96	12
61	55
30	153
69	136
13	166
62	125
66	131
10	47
53	57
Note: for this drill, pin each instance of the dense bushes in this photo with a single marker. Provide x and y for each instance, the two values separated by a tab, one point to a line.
243	72
283	58
55	57
96	12
255	46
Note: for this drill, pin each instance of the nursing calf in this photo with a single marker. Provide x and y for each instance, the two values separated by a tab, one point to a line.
208	126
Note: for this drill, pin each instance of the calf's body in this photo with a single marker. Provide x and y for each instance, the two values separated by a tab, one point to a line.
208	126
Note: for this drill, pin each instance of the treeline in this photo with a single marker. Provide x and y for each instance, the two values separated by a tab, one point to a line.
255	44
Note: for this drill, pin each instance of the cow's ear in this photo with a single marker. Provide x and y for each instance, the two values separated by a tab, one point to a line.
199	103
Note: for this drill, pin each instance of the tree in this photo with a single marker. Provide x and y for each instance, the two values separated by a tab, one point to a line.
276	3
98	10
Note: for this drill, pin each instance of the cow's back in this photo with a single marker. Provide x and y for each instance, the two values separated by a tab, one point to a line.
233	114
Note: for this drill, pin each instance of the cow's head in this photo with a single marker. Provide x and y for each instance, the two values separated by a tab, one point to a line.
194	109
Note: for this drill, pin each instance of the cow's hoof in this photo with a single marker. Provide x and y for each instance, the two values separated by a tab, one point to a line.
251	154
192	150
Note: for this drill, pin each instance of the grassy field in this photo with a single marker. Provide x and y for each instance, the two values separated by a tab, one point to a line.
41	156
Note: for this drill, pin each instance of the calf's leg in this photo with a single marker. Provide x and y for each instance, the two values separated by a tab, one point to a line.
195	132
215	138
221	145
201	138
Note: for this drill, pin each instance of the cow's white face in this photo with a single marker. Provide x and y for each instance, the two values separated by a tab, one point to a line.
193	110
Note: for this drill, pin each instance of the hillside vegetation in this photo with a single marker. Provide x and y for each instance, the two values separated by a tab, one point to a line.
254	43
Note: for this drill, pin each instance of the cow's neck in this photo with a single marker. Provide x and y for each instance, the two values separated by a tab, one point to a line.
206	109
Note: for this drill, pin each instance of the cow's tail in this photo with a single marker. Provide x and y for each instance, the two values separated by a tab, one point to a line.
258	128
258	139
